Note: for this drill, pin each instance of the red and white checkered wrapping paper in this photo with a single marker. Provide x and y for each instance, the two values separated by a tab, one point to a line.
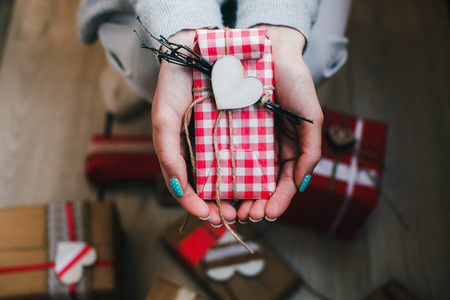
253	127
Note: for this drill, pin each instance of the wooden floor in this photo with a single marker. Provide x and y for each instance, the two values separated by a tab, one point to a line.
398	72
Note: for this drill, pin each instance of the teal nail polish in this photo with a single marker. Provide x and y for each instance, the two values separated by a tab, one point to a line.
176	187
305	183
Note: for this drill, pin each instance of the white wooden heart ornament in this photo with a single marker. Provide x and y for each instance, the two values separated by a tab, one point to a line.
71	258
231	90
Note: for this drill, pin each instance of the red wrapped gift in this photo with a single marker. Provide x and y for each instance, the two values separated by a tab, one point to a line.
252	127
121	158
343	189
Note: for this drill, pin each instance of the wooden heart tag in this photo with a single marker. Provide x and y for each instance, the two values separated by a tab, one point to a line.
71	258
231	90
340	137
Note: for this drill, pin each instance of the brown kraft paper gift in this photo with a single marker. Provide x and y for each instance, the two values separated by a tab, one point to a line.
28	236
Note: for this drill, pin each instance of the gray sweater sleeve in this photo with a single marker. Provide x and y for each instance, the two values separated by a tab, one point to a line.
164	17
161	17
298	14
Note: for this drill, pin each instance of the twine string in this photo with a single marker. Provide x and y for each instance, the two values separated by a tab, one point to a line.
266	96
230	126
218	204
186	125
216	149
233	160
233	163
227	41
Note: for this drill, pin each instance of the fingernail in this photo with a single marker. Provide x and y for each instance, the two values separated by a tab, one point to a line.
305	183
254	221
270	220
176	187
243	222
204	219
231	222
215	226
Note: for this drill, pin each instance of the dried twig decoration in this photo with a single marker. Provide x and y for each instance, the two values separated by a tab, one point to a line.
173	54
196	61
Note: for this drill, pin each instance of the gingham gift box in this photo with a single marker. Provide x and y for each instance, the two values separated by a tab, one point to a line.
252	127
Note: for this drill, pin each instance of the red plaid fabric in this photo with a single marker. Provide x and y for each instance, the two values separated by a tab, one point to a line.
112	159
253	127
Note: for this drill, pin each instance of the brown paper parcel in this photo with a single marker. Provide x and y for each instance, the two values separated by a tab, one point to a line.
277	280
25	242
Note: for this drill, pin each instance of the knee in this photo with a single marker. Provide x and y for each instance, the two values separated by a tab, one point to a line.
138	67
325	56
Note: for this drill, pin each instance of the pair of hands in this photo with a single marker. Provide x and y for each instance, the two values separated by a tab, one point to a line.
298	148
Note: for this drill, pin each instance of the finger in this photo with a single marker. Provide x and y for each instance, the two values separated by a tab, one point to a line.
310	142
244	210
193	204
228	212
286	189
257	211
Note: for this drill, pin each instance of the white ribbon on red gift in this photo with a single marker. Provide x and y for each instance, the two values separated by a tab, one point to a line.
349	173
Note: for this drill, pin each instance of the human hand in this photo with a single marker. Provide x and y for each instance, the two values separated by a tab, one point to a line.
298	147
172	98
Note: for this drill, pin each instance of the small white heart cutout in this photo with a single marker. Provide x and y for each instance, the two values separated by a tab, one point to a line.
231	90
71	258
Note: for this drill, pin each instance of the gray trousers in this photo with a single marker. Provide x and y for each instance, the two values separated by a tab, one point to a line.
325	55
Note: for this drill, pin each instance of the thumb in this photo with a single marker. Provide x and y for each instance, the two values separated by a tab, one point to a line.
169	106
310	146
167	142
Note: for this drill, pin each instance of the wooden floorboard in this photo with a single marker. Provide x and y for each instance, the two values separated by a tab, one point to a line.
400	64
5	14
398	72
